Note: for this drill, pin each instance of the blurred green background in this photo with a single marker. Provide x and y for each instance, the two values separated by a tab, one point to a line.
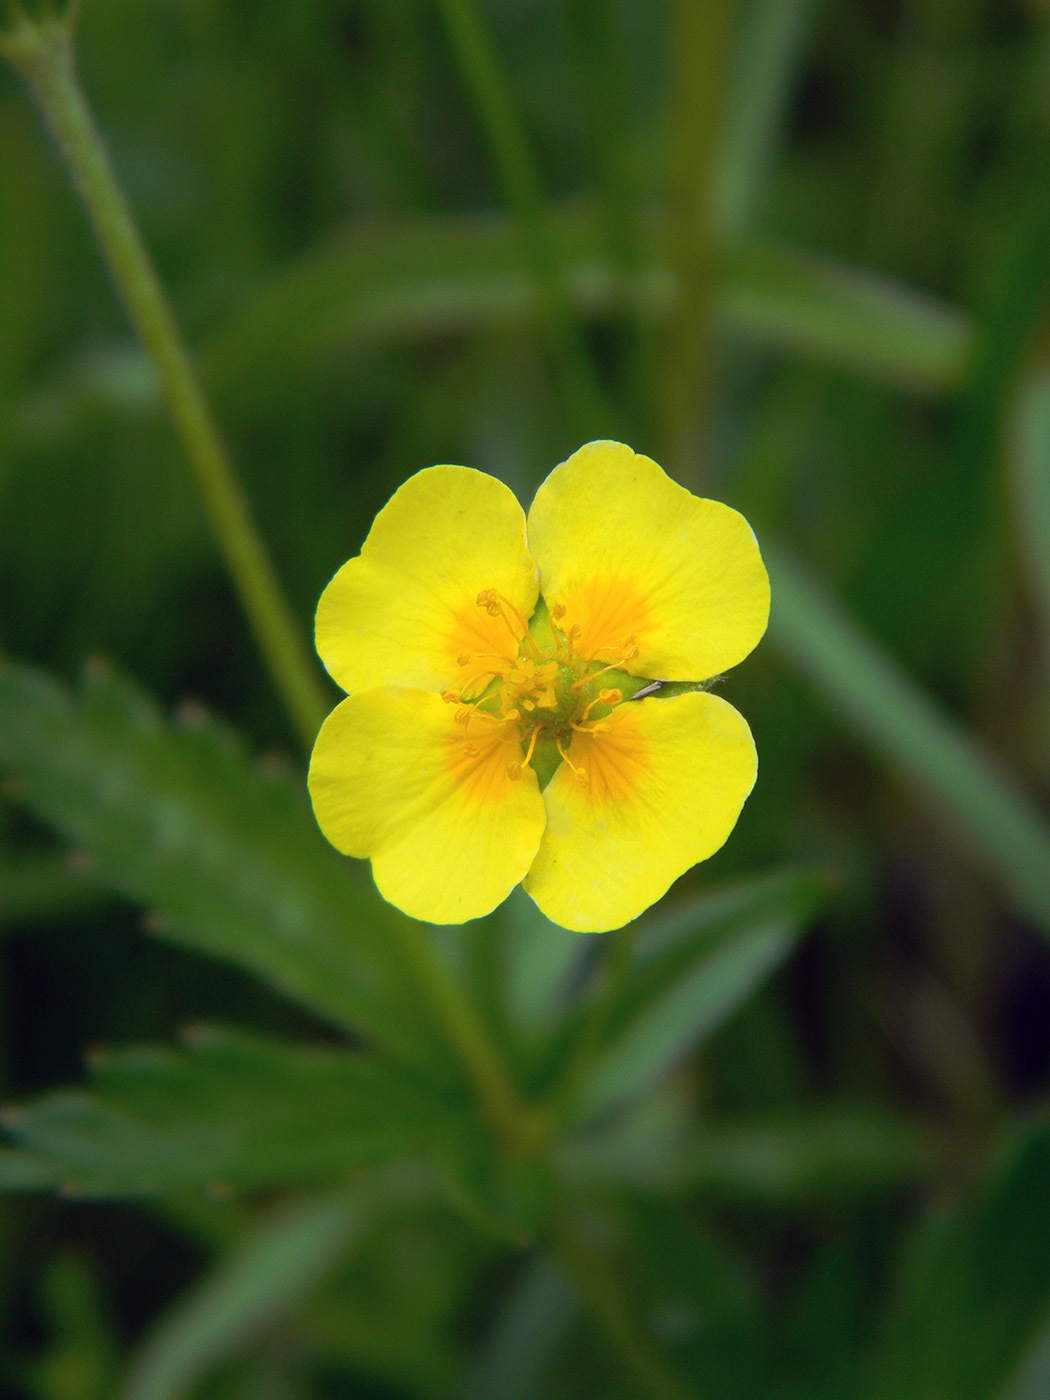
799	252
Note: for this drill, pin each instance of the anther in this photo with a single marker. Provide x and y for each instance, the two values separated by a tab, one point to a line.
451	697
514	771
605	697
496	605
580	774
558	611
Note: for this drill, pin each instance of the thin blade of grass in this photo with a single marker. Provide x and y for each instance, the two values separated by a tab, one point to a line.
769	45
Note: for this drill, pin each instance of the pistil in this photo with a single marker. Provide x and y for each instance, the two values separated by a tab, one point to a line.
538	692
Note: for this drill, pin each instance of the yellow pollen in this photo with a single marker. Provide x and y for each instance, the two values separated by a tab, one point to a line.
533	692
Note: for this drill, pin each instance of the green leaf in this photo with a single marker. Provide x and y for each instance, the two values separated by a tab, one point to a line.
975	1293
231	1110
789	299
881	704
266	1276
830	1154
535	1321
1029	453
228	854
21	1171
431	277
44	887
768	48
539	960
694	966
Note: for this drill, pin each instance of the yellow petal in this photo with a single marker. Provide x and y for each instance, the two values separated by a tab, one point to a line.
628	552
449	833
405	609
665	786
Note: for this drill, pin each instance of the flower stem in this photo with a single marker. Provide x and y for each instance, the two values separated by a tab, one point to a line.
42	51
517	174
520	1127
701	35
589	1039
598	1287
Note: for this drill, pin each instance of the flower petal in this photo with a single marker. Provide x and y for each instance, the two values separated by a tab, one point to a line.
449	834
405	608
665	787
628	552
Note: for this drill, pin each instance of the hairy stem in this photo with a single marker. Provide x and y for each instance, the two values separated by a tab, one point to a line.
42	51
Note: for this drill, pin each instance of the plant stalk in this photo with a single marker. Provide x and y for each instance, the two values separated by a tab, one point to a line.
518	175
43	53
701	35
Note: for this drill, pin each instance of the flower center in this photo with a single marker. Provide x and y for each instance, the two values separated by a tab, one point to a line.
540	695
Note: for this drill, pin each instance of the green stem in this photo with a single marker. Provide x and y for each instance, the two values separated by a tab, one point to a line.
43	53
701	35
517	172
599	1289
596	1022
520	1127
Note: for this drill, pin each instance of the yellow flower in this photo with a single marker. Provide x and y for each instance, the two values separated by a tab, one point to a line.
488	735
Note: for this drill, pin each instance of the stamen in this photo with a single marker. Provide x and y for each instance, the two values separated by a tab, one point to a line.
466	657
469	712
451	697
514	770
627	649
605	697
496	605
580	773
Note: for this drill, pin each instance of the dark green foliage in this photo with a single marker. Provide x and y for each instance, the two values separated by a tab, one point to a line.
764	1117
975	1291
225	852
230	1110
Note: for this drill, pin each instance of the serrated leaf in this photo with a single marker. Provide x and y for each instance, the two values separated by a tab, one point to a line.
38	887
975	1294
233	1110
694	966
180	819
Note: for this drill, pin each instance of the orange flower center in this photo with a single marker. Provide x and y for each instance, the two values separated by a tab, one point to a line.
541	697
